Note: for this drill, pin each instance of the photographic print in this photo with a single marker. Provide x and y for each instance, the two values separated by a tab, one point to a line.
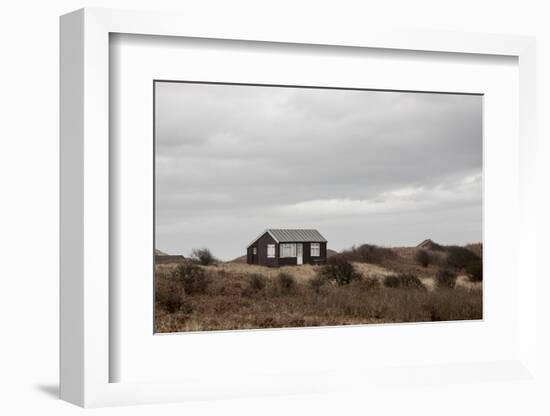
289	206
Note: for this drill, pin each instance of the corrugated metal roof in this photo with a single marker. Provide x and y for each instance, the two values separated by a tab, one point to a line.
296	236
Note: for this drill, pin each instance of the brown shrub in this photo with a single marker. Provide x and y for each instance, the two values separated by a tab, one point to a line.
460	257
403	281
285	284
203	256
367	284
476	248
475	270
318	282
170	296
254	283
368	253
340	270
422	257
445	278
193	278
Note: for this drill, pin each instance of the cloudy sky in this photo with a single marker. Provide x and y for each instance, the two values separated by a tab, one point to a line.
386	168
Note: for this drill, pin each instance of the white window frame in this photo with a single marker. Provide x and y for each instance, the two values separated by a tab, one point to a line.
254	251
283	250
317	247
271	251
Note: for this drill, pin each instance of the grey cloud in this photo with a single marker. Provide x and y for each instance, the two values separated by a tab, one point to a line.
231	158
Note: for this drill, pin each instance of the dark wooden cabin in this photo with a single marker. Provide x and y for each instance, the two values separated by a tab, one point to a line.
275	247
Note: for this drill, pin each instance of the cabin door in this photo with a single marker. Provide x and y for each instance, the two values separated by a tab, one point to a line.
299	254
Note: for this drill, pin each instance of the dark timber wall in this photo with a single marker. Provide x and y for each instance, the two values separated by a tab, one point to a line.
261	256
262	259
322	259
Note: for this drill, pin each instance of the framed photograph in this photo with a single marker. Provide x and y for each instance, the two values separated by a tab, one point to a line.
258	211
329	167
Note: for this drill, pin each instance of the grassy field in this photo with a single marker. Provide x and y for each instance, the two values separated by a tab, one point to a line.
233	295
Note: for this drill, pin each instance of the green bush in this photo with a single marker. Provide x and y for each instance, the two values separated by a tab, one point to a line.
445	279
475	270
193	278
403	281
368	253
422	257
203	256
340	270
460	257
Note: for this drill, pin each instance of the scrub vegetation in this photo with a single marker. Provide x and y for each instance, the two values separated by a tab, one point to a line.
363	285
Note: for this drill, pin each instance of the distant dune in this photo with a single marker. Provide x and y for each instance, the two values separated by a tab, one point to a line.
241	259
160	253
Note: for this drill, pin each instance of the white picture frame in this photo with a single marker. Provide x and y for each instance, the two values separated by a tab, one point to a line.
85	204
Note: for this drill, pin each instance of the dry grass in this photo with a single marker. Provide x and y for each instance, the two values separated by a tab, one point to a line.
301	273
463	281
405	262
241	296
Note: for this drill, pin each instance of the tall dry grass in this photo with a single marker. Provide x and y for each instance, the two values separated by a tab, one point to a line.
240	296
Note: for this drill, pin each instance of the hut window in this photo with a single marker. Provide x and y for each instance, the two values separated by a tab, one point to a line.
254	250
288	250
271	250
315	249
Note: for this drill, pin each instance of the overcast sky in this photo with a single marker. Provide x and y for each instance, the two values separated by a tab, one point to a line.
386	168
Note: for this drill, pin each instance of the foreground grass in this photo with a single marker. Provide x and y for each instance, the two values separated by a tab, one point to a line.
248	297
